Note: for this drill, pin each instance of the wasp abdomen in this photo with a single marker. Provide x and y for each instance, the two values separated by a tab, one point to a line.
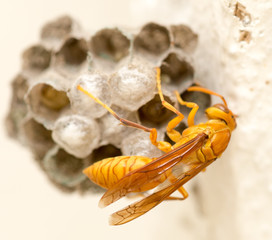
109	171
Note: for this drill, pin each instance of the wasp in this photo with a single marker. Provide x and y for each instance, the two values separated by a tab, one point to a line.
193	150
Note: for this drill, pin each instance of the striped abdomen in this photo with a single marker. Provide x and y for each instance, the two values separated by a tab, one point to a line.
109	171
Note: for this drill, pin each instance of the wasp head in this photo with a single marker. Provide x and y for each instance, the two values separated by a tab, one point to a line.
221	112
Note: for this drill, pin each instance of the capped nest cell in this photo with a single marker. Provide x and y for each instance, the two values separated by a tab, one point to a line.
65	129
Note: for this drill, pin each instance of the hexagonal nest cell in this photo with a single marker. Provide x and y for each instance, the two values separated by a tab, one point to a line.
153	114
18	107
37	138
64	169
72	53
176	68
105	151
203	100
52	98
184	37
153	38
66	130
58	29
36	59
110	44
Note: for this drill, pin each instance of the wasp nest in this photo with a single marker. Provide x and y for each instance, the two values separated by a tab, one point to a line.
64	128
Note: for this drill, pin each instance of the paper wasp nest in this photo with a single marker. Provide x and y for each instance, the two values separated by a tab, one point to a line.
65	129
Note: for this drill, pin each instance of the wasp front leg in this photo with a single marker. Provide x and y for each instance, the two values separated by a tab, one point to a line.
194	106
162	145
174	135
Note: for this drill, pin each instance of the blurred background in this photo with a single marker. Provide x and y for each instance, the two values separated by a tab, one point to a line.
235	195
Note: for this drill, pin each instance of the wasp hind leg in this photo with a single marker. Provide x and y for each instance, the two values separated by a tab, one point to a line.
162	145
183	192
181	189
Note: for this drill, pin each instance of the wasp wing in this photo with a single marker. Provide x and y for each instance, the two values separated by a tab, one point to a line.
139	208
151	172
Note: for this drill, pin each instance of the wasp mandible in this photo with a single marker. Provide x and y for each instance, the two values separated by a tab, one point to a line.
194	149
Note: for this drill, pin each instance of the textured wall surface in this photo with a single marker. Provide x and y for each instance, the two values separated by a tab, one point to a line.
236	194
231	200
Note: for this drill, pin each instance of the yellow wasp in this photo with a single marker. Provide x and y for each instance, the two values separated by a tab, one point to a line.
194	149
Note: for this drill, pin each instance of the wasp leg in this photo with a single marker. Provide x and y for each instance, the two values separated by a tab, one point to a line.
205	90
194	106
171	132
136	195
184	193
181	189
162	145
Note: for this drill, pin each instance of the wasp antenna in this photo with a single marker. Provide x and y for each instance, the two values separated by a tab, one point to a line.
205	90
